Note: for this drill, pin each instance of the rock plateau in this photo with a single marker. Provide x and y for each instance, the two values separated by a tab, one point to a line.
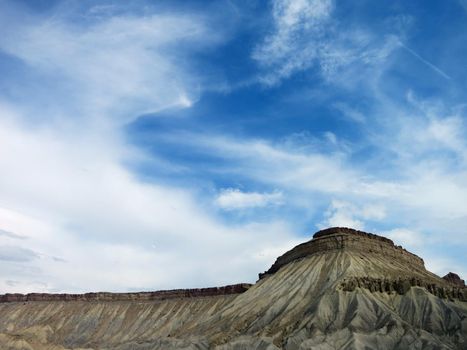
344	289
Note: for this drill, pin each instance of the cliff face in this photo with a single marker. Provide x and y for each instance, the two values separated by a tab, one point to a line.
355	292
454	278
343	238
138	296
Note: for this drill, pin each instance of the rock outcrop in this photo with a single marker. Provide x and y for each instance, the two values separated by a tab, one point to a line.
403	285
345	289
454	278
138	296
343	238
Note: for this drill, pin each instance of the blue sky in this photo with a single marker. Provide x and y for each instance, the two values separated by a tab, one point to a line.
164	144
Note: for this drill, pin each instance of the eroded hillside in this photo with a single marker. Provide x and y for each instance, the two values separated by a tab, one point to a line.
344	289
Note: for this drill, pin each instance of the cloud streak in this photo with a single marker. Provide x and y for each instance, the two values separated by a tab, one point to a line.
299	27
234	199
9	234
17	254
429	64
306	35
112	66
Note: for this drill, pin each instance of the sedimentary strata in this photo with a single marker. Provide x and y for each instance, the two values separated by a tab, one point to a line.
344	290
454	278
343	238
403	285
139	296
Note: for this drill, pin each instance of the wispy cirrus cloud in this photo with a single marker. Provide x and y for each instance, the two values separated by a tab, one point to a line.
111	65
83	204
235	199
296	41
306	34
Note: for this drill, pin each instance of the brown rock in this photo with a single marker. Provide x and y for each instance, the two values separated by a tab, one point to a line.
336	238
454	278
138	296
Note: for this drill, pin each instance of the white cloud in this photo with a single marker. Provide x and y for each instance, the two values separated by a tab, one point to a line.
341	217
434	126
82	206
234	199
342	213
350	113
428	159
263	161
405	237
306	34
309	169
411	190
113	66
92	223
442	265
295	42
331	137
373	212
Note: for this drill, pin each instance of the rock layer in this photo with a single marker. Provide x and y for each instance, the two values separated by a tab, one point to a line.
341	297
403	285
454	278
336	238
138	296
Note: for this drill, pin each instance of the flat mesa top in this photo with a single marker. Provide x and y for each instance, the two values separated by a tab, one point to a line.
337	238
349	231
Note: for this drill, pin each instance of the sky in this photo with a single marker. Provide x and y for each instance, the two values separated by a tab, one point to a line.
150	145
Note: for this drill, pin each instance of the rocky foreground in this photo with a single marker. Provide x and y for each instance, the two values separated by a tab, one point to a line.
344	289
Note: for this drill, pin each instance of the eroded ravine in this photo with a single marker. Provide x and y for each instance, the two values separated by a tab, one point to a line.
342	290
